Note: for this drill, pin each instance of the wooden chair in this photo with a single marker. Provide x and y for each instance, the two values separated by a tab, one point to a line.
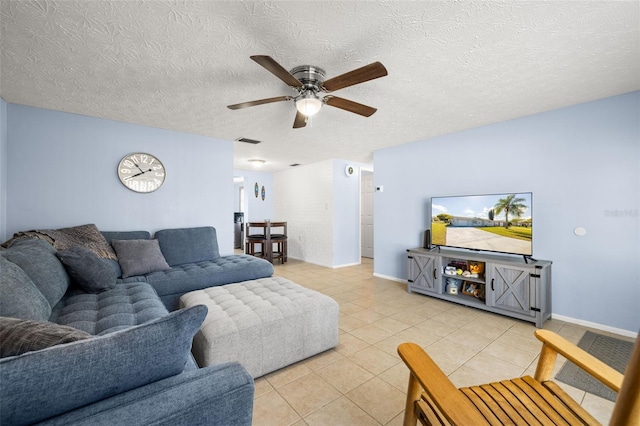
434	400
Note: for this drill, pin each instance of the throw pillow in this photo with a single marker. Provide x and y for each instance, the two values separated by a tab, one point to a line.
38	259
139	257
188	245
46	383
21	336
19	297
87	270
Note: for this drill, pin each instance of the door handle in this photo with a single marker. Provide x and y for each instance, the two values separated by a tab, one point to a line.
492	280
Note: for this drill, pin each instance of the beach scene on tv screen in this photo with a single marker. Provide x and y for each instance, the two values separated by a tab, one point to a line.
500	222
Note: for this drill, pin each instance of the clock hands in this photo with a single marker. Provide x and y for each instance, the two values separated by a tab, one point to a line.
137	174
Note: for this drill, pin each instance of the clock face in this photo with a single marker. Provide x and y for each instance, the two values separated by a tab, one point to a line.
141	172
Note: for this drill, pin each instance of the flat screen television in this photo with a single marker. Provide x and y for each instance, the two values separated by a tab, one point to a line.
495	222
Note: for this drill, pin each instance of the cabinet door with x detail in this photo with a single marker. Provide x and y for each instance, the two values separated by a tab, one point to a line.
423	273
510	288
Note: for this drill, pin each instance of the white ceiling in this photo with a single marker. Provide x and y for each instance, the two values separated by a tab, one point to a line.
452	65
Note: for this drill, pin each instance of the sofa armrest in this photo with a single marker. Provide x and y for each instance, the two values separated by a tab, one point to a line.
220	395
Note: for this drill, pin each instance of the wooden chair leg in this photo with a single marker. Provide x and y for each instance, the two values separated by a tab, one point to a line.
413	394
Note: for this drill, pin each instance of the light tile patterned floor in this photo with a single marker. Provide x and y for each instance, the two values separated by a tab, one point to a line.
363	381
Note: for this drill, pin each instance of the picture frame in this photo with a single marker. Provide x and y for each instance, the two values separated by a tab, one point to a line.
473	289
469	288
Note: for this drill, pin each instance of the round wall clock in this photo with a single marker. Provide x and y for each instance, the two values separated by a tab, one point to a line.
349	170
141	172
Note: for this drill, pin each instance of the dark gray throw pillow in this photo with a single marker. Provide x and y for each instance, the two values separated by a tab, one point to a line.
19	336
87	270
19	296
139	257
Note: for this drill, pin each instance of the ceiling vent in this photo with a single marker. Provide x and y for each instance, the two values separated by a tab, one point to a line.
247	140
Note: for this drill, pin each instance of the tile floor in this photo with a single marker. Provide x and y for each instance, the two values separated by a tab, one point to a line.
363	381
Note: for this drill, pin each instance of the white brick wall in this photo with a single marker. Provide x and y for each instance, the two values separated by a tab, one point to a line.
303	196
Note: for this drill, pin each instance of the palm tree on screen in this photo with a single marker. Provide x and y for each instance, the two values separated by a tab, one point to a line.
510	205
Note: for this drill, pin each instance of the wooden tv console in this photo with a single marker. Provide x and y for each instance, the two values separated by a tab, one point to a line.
508	285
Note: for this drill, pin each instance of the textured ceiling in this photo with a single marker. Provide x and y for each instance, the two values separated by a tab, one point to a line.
452	65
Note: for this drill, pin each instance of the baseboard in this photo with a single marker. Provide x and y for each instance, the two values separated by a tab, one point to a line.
386	277
346	265
309	261
595	325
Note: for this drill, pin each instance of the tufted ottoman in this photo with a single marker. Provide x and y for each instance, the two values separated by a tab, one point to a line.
264	324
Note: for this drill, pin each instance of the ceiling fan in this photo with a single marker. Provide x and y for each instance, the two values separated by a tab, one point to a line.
309	81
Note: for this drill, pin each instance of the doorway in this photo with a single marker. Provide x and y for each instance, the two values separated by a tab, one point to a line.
239	214
366	213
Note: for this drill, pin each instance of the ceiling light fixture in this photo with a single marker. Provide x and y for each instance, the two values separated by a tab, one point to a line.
308	103
257	163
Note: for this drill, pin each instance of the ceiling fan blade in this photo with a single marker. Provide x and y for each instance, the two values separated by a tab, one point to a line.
300	121
360	75
276	69
259	102
350	106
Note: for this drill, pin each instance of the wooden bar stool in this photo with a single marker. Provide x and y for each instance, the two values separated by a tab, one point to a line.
267	240
251	240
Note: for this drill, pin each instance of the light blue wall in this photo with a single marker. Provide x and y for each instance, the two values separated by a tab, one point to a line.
582	164
61	171
257	208
3	169
346	214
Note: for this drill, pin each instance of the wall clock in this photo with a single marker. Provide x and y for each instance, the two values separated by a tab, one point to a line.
141	172
349	170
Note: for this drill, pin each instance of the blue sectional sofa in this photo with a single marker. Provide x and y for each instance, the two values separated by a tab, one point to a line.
195	261
86	340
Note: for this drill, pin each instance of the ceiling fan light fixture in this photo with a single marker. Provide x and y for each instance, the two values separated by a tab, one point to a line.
257	163
308	103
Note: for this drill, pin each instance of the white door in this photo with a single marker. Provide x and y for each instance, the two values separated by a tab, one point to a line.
366	214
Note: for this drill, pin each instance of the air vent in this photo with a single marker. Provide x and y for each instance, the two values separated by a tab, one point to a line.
251	141
294	164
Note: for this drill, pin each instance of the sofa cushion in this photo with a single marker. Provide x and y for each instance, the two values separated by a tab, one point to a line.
87	270
181	279
19	336
125	305
20	298
42	384
188	245
38	259
139	257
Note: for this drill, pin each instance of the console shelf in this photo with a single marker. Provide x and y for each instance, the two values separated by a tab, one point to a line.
505	285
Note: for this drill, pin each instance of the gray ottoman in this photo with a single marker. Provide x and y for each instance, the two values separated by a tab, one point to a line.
264	324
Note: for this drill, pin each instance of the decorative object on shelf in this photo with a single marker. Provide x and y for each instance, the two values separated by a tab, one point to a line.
473	289
469	288
141	172
256	189
452	285
450	270
349	170
476	267
263	192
